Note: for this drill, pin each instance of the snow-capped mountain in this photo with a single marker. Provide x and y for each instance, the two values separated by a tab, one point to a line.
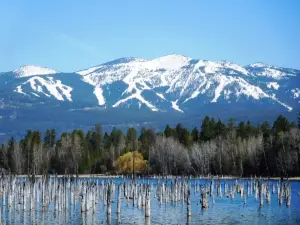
177	79
172	85
30	70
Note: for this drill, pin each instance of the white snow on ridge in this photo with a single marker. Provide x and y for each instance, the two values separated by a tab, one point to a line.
55	87
175	106
258	64
173	75
214	67
169	62
250	90
89	70
274	85
30	70
270	72
233	66
209	66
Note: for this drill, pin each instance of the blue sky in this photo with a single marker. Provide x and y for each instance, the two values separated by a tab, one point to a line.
71	35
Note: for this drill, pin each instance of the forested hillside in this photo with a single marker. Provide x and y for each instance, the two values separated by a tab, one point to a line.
212	147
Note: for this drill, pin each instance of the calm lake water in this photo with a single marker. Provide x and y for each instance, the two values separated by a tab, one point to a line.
224	211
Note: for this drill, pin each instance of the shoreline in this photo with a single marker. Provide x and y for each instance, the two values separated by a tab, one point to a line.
105	176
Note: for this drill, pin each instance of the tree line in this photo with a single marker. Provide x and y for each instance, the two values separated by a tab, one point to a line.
217	148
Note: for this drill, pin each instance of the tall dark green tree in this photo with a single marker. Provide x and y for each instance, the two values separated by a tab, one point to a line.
220	128
207	129
241	130
168	132
281	124
195	135
10	154
147	138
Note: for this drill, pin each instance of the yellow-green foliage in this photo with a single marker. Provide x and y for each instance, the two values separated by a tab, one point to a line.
125	163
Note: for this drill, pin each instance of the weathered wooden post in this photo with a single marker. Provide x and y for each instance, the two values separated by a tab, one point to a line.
261	197
148	208
280	193
119	200
109	196
204	200
268	194
288	195
188	199
211	189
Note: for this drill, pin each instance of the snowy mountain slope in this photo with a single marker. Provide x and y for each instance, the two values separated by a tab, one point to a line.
167	83
186	79
30	70
143	91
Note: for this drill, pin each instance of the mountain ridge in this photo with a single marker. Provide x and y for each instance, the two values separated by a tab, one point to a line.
171	84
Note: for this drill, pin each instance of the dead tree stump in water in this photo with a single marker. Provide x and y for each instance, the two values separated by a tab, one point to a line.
204	200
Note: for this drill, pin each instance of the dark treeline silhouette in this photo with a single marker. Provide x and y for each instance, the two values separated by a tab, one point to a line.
231	148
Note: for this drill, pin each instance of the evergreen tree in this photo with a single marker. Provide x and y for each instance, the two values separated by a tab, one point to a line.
241	130
147	138
195	135
168	132
131	138
207	131
107	141
281	124
220	128
10	154
178	131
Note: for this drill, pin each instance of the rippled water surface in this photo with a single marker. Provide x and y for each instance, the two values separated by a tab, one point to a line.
224	211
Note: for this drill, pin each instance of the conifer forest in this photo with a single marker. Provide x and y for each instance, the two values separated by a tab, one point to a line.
214	147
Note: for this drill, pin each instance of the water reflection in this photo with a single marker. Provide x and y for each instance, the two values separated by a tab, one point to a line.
226	210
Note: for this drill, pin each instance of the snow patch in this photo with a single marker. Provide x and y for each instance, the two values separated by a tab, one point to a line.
161	96
55	87
30	70
169	62
175	106
296	92
137	96
281	103
89	70
250	90
219	89
274	85
258	64
99	94
19	90
35	94
194	95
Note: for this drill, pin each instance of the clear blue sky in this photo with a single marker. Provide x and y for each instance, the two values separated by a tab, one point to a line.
69	35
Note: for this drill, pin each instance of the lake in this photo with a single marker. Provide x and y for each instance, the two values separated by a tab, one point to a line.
170	210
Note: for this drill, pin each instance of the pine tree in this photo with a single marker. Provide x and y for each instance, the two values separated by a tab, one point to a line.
281	124
10	154
168	132
206	129
195	135
220	128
